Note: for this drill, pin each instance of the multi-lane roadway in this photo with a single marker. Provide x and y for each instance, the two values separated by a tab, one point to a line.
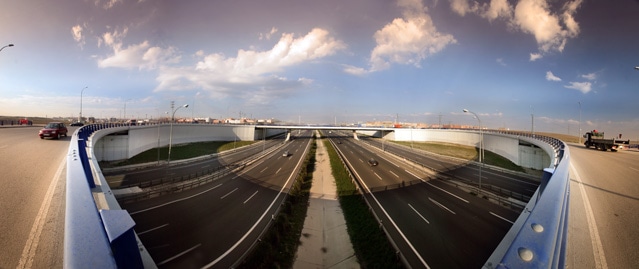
214	224
602	225
433	223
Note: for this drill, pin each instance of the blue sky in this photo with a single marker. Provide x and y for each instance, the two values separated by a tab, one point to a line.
321	61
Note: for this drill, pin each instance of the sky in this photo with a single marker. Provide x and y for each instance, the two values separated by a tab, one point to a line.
547	65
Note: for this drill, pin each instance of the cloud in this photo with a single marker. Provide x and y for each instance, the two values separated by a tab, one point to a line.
406	40
251	75
535	56
551	31
583	87
108	4
591	76
354	70
140	56
267	36
76	32
551	28
501	62
491	11
551	77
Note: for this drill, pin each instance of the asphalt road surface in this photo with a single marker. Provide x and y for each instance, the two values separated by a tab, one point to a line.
32	198
604	201
214	224
433	223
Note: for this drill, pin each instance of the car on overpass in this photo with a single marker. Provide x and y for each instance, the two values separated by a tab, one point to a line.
53	130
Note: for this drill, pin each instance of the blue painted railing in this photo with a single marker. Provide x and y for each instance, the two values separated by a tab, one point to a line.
94	238
105	238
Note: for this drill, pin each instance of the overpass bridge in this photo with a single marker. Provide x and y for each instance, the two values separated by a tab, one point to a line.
98	233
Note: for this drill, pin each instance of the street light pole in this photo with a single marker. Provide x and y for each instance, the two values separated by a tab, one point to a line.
579	134
81	92
171	132
481	147
10	45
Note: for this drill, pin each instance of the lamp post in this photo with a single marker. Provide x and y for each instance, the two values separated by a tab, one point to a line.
579	134
124	117
171	132
81	92
481	147
10	45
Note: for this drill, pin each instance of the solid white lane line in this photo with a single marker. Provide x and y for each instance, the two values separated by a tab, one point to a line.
380	178
412	174
464	200
28	252
441	206
420	215
178	255
394	174
500	217
250	197
153	229
597	247
228	194
175	201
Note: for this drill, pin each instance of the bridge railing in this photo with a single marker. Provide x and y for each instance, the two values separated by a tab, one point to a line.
93	238
102	238
538	237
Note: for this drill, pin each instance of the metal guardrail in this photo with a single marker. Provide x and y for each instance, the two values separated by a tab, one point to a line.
105	238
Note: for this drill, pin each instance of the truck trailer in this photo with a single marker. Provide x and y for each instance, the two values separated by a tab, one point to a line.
596	140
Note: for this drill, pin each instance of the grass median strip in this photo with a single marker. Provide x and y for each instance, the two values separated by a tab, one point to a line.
279	244
369	241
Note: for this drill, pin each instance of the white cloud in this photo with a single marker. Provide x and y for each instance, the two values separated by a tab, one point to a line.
76	32
407	40
108	4
267	36
535	56
583	87
551	31
551	77
491	11
501	62
591	76
140	56
251	74
354	70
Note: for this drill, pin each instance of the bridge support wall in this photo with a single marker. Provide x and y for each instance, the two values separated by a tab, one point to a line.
525	152
125	142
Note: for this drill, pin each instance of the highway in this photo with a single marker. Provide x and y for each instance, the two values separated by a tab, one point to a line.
602	225
604	201
118	178
520	186
213	225
434	224
32	198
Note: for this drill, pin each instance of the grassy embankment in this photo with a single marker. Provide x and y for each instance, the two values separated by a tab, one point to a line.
278	246
369	241
464	152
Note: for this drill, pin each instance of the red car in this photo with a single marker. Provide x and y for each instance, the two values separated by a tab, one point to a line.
54	130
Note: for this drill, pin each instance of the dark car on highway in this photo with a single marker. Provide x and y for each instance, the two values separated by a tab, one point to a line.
372	162
54	130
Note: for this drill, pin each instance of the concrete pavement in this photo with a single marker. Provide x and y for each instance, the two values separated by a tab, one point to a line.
324	242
